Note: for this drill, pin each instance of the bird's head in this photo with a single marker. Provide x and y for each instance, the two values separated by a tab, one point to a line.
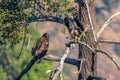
46	35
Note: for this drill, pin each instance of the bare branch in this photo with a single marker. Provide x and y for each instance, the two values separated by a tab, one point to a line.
57	59
59	69
109	41
110	57
46	18
86	45
90	21
107	23
101	51
81	65
95	77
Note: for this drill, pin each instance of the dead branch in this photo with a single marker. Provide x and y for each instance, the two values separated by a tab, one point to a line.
90	21
95	77
71	61
101	51
109	41
107	23
58	70
86	45
110	57
80	67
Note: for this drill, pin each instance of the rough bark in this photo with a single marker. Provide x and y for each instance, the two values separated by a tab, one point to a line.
89	65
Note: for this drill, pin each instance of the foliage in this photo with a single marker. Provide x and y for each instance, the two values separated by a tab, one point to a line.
13	14
12	67
3	75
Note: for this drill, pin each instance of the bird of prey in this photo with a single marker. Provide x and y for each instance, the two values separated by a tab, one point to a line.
41	48
74	27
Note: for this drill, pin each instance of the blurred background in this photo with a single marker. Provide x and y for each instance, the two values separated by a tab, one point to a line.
10	66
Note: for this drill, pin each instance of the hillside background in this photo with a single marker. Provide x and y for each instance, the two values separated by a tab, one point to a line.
10	67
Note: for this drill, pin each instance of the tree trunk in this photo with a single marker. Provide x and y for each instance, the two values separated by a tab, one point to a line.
89	65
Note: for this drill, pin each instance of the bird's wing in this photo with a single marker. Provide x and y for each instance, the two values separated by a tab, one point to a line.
79	24
66	22
41	46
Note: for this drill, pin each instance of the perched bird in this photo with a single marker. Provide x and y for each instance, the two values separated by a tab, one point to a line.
38	52
67	22
41	48
79	24
74	27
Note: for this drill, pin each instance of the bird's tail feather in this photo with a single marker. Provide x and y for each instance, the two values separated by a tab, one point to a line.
28	67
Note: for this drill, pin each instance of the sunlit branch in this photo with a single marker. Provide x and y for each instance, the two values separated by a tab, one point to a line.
107	23
90	21
109	41
59	69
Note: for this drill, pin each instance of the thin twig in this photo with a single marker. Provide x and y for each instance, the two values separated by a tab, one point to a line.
90	21
110	57
109	41
107	23
101	51
86	45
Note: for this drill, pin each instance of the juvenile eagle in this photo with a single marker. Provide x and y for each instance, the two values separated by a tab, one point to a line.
41	47
74	27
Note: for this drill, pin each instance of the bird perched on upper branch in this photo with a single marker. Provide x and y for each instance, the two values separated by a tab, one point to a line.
41	47
38	52
75	27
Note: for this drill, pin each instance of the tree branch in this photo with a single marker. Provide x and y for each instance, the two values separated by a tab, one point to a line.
110	57
107	23
46	18
101	51
57	59
58	70
95	77
109	41
90	21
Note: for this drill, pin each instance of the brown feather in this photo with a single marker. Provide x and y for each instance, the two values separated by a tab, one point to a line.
42	45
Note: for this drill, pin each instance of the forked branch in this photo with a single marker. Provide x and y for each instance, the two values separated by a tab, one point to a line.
58	70
101	51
